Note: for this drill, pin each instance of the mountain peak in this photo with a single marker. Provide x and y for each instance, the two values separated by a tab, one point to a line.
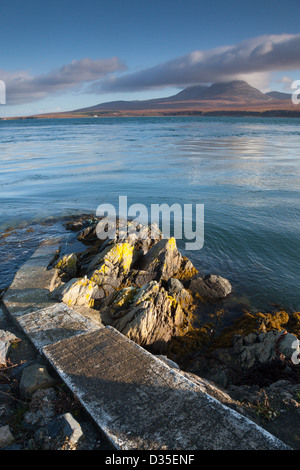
236	90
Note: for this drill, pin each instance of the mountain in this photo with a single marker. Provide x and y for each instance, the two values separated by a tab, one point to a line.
190	93
191	97
277	95
237	90
235	98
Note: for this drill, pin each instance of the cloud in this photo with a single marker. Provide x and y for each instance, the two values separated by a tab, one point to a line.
21	87
287	82
252	60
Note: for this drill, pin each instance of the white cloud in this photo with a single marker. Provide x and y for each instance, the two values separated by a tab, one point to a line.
21	87
252	60
287	82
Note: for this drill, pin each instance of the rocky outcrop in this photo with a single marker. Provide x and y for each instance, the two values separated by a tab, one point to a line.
148	315
256	358
139	283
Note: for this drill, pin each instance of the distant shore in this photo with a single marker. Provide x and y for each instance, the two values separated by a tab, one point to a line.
265	113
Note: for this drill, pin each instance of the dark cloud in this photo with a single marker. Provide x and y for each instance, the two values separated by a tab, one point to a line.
252	59
23	88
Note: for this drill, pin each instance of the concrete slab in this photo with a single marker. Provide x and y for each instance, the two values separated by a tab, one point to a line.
29	289
52	324
141	403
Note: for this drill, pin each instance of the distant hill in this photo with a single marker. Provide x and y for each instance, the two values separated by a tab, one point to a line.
235	98
279	96
229	92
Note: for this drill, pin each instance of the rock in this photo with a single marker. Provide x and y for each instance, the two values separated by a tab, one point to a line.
187	270
212	389
34	377
80	292
148	315
88	234
210	287
67	265
163	260
180	294
262	348
6	339
105	273
174	285
65	269
114	260
6	437
41	409
66	430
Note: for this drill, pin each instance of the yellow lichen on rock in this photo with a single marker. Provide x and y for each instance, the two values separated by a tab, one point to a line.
186	271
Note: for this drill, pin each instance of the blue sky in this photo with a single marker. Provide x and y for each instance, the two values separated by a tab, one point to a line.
67	54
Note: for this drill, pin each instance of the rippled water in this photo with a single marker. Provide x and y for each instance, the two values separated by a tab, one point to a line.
245	171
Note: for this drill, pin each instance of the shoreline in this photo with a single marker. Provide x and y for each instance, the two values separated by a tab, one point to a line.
269	113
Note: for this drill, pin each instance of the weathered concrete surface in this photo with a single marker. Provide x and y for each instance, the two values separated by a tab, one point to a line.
29	290
52	324
141	403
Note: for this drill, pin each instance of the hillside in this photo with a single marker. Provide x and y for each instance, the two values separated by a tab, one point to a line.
235	98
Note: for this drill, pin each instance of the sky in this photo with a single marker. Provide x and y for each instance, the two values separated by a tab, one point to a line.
62	55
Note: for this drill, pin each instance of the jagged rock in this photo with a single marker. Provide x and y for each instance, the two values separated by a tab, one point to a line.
187	270
65	269
6	339
183	297
210	287
6	437
114	261
88	234
174	285
65	430
35	377
162	261
67	265
148	315
80	292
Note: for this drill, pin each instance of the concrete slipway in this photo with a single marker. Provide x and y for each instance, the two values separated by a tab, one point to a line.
137	400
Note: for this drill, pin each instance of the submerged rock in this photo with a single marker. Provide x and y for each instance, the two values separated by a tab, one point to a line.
210	287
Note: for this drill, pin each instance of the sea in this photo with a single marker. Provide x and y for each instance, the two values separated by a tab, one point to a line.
244	171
